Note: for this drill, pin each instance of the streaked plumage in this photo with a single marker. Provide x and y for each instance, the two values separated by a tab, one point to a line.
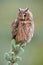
23	26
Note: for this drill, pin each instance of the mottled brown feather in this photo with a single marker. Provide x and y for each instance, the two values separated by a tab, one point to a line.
23	29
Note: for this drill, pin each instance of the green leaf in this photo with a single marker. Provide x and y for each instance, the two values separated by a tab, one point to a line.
13	42
9	63
17	47
15	64
11	54
21	49
18	58
7	57
24	44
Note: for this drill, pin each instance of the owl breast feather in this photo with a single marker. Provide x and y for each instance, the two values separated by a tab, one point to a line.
22	31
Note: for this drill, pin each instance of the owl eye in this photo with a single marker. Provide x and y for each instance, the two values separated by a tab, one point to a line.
25	15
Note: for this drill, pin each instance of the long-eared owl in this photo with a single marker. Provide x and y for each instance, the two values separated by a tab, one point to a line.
23	26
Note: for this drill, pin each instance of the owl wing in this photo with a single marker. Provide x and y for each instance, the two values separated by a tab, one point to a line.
14	28
31	31
32	23
32	28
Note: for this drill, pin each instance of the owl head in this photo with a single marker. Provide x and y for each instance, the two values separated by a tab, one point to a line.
24	14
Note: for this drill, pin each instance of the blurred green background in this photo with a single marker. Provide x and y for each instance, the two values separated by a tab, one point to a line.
33	54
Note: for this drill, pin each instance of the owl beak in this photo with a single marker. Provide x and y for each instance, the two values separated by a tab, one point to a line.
23	16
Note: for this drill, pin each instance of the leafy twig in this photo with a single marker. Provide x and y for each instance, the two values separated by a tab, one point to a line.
12	57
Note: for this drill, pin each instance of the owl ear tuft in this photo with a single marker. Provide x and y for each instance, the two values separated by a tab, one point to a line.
19	9
26	9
